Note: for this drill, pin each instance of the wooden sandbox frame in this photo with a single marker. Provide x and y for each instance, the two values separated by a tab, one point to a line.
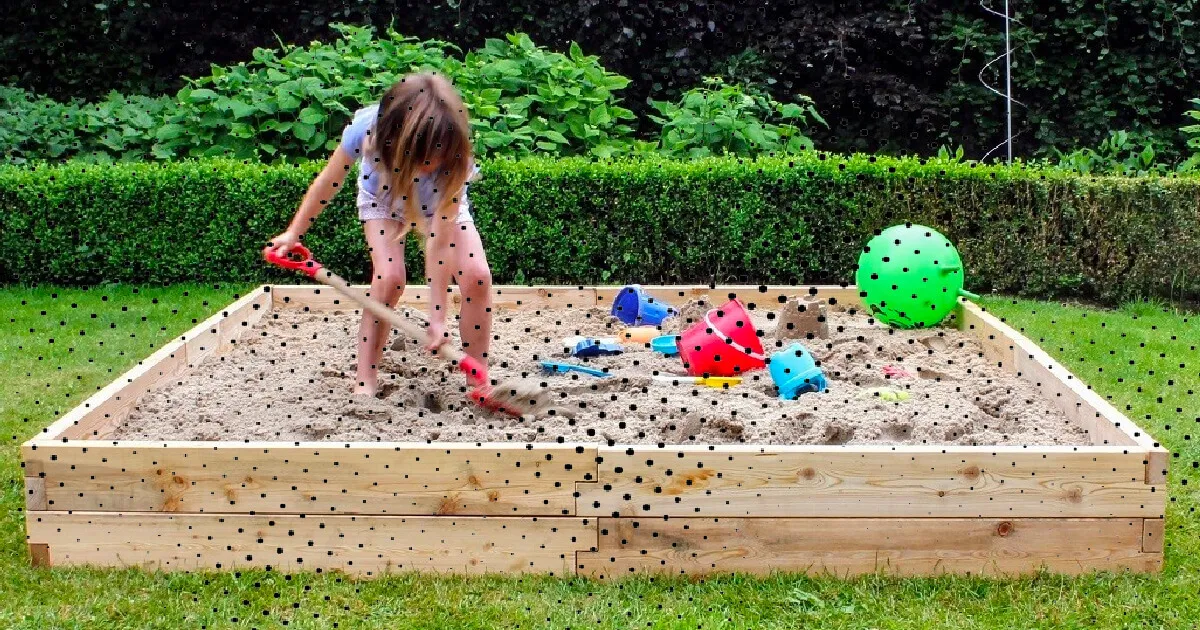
591	509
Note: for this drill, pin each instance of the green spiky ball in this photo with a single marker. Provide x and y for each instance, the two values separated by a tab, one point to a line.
910	276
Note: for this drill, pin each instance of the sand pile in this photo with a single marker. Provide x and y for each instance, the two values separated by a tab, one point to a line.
290	378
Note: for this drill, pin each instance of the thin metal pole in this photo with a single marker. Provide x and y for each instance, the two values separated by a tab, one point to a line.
1007	93
1008	79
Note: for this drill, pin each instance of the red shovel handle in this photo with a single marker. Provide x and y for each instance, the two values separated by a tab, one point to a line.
305	264
474	370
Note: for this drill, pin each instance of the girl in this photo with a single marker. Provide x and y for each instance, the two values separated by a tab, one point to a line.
414	157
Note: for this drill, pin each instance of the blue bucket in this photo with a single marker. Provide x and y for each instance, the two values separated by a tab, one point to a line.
634	306
665	344
795	372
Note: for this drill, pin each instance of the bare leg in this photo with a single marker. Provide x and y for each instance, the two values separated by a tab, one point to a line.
474	279
387	285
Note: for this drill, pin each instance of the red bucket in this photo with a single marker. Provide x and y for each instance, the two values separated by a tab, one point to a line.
724	343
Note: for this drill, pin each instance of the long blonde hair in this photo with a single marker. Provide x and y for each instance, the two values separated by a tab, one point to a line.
422	120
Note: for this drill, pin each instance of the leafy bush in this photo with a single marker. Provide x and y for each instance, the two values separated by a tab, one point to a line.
1120	154
772	220
32	127
525	99
294	102
1192	132
720	119
115	128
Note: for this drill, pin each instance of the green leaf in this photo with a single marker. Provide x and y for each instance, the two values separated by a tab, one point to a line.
202	96
311	116
242	110
599	115
170	132
303	131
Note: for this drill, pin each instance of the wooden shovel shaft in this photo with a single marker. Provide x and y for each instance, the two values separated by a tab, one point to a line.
382	311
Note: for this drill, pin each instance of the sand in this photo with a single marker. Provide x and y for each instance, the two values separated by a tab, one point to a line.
290	378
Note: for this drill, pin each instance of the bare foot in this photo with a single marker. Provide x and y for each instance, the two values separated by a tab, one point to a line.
365	389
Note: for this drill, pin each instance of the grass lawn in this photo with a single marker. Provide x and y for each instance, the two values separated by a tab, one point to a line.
57	346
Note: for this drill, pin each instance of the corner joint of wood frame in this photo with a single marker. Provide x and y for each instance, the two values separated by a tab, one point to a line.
35	494
39	554
1156	466
1153	530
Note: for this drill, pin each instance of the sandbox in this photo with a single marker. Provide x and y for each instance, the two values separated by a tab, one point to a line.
239	445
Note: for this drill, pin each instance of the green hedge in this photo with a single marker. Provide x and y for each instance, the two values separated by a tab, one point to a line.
576	221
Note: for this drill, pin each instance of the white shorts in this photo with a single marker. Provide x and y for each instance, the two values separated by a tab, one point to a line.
369	208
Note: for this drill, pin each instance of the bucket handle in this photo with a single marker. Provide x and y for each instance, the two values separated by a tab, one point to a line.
717	331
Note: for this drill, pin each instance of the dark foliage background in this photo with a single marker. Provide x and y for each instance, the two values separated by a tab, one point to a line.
889	75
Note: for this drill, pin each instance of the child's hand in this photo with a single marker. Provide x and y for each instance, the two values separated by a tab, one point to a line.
282	244
437	335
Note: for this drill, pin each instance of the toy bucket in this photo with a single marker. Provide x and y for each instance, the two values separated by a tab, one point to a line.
665	344
634	306
724	343
795	372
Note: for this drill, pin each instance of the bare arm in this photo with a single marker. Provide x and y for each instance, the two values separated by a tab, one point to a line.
320	193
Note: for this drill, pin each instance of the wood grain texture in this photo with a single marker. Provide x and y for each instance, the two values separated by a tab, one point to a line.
39	555
763	296
365	545
314	478
219	334
1157	461
990	333
871	481
35	494
108	408
318	297
1153	535
847	547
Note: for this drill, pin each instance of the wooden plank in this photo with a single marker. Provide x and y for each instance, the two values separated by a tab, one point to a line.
318	297
990	333
1157	460
543	297
763	295
871	481
1064	398
107	408
1153	535
321	298
1066	392
365	545
846	547
35	494
39	555
239	319
314	478
219	332
1103	422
